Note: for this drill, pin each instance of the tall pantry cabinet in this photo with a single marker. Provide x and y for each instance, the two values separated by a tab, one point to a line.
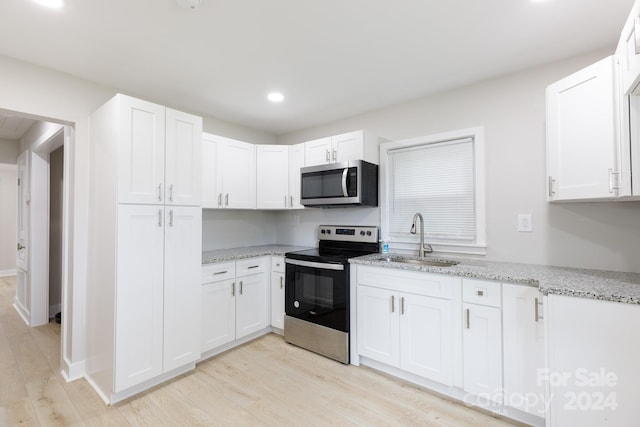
143	318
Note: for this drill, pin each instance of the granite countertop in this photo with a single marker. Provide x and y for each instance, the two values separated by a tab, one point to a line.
595	284
220	255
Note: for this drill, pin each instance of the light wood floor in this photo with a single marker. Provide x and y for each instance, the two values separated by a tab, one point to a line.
264	383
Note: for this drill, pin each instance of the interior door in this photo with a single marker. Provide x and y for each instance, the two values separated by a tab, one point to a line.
22	254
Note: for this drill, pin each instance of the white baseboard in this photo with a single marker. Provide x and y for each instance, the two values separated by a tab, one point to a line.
5	273
73	371
24	314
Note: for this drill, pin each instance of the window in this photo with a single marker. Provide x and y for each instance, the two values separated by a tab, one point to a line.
442	177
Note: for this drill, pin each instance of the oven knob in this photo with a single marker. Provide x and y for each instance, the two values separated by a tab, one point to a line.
328	231
322	231
362	233
296	304
368	233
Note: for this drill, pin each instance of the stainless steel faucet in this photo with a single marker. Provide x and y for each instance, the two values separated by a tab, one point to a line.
423	250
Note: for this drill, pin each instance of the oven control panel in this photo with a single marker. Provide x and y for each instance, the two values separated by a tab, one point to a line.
357	233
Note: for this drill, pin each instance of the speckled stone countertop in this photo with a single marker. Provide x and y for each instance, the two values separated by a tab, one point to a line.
220	255
595	284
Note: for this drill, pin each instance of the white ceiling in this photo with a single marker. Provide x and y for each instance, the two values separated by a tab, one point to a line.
331	58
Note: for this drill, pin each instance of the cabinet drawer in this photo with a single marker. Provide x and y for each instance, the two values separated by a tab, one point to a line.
250	266
217	272
277	264
481	292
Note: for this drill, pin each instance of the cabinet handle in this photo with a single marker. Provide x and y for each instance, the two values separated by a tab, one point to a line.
468	321
335	155
550	185
636	34
240	287
159	217
401	305
160	192
393	304
220	272
291	201
171	218
328	156
220	200
537	310
171	193
281	282
233	289
226	199
252	266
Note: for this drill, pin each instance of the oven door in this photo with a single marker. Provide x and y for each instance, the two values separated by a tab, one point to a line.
318	292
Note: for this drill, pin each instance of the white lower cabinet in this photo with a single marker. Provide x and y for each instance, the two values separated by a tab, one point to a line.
277	292
156	315
404	329
523	347
235	301
482	339
593	353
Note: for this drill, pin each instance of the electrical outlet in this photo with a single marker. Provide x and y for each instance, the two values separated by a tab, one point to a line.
525	224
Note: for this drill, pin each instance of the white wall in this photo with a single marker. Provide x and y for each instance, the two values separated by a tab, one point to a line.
43	93
226	228
8	151
512	110
8	218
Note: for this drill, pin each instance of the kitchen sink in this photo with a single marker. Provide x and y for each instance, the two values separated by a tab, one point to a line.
418	261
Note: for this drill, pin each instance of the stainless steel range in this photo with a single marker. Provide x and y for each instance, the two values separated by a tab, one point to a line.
317	289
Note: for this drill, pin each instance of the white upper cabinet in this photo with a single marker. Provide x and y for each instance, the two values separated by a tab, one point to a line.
629	52
183	159
272	165
141	151
584	150
228	173
296	161
358	145
159	154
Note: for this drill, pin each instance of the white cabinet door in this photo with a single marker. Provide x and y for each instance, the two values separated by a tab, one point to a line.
139	295
22	252
182	272
378	325
593	355
218	314
237	174
317	152
272	165
583	134
277	300
141	152
482	351
252	304
426	337
348	146
183	180
211	191
523	335
629	53
296	161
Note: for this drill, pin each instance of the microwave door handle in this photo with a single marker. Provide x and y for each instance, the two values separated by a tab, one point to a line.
345	172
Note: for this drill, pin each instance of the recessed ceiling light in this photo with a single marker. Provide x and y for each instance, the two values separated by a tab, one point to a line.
275	97
53	4
189	4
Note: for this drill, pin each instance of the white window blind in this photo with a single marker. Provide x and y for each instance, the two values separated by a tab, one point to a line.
437	180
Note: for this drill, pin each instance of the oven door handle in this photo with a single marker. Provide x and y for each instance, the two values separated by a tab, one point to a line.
320	265
345	172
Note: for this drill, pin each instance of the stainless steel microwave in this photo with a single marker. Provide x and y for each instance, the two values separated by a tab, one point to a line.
352	183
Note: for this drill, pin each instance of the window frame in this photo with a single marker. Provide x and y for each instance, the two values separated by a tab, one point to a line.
479	247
